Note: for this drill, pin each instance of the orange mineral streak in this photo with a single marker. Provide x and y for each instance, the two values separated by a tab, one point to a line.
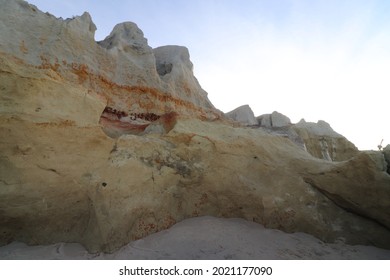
135	101
149	99
156	100
46	64
169	120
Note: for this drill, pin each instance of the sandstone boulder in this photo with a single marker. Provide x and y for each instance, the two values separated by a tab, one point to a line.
264	120
275	119
360	198
243	115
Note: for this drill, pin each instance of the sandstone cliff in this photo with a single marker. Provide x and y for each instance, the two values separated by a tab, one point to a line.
103	143
318	139
122	72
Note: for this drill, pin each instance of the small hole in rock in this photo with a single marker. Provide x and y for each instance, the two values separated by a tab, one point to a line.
104	184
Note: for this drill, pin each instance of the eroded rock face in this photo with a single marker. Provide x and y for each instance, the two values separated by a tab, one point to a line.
318	139
120	70
70	173
127	37
323	142
102	192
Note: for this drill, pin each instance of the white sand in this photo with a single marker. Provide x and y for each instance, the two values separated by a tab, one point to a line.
208	238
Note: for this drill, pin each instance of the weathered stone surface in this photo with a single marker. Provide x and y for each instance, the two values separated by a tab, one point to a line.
176	70
323	142
243	115
386	154
318	139
265	120
70	173
121	70
286	132
362	198
379	159
279	120
128	38
321	128
275	119
85	187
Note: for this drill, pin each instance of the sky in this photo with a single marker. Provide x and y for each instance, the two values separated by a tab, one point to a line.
313	59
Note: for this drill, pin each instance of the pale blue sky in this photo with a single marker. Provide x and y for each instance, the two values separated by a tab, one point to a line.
307	59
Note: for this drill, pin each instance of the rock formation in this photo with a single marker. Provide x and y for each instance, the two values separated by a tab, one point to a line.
103	143
121	71
323	142
319	139
243	114
275	119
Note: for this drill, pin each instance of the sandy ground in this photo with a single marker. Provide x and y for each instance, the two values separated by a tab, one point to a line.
208	238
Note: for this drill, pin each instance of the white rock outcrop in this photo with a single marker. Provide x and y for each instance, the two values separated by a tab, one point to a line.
243	115
175	68
264	120
323	142
275	119
321	128
279	120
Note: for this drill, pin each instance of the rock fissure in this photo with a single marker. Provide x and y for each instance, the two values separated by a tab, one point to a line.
48	169
341	202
